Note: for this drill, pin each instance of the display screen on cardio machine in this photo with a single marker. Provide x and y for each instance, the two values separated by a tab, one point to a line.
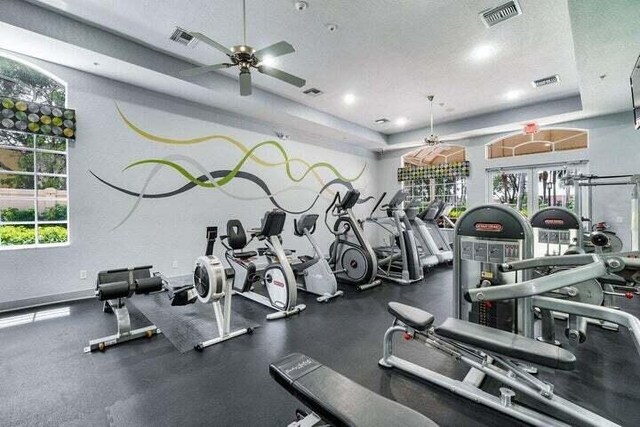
494	251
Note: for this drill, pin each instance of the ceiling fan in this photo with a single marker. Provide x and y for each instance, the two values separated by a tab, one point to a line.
433	139
245	58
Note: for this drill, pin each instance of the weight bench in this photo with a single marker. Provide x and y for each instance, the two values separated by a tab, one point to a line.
113	287
490	353
337	400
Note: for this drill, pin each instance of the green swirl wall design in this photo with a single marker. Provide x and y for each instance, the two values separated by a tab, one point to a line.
217	179
37	119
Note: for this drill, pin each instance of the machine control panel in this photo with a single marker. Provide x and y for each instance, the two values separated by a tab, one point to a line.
493	251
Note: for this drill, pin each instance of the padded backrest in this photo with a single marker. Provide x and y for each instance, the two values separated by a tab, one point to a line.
305	222
236	236
124	274
350	199
273	223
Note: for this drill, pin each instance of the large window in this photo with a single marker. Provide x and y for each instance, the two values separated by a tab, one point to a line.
33	169
450	189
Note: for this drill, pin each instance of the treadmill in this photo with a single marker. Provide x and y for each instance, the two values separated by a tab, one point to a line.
428	216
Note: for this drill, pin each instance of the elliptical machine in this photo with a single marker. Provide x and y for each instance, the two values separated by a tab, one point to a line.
399	261
314	273
273	271
350	256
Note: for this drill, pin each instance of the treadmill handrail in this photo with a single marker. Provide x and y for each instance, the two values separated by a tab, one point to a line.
540	285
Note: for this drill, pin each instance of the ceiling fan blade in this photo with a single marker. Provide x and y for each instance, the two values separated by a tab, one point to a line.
212	43
245	83
202	70
275	50
281	75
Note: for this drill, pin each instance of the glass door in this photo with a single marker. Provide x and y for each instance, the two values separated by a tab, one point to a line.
529	189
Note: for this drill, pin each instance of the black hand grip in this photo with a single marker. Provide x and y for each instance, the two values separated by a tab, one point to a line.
146	285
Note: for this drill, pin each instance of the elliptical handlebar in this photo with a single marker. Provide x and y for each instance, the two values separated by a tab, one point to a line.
377	205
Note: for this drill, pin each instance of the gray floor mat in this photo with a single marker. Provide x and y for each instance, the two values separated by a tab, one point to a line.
184	326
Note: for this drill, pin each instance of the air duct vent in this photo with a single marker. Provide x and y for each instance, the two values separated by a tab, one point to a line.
313	92
501	13
546	81
183	37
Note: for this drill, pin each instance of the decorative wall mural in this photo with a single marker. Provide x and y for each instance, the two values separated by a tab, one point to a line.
38	119
197	175
448	170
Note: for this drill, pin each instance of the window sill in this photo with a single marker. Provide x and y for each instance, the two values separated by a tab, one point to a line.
42	246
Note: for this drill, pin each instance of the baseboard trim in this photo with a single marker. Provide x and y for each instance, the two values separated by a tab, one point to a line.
46	300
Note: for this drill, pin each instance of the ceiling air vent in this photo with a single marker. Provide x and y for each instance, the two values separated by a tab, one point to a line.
183	37
313	92
546	81
501	13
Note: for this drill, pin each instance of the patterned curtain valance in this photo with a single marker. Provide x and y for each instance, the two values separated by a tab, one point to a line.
444	170
37	119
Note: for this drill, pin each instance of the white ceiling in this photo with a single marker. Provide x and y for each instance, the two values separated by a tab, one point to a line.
389	54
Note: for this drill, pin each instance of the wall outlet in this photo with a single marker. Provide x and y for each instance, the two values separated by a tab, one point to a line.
83	274
175	263
619	220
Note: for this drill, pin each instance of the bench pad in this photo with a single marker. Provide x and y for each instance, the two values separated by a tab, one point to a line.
507	344
338	400
411	316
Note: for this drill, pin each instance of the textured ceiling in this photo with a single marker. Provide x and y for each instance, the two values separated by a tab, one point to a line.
389	54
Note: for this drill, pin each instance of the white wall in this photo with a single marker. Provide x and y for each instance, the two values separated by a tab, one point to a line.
161	231
614	148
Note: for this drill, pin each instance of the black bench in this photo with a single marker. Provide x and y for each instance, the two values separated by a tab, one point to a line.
337	399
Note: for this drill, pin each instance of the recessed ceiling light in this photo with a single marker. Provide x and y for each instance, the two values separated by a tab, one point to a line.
349	98
401	121
268	60
482	52
381	121
512	95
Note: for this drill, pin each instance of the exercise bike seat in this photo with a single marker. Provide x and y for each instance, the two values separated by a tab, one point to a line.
411	316
244	254
507	344
338	400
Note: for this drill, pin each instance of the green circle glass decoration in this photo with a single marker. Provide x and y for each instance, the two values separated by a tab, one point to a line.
34	108
21	115
7	123
57	121
21	106
57	130
7	103
45	120
7	114
68	124
56	112
68	114
21	125
34	118
68	132
33	127
45	110
46	129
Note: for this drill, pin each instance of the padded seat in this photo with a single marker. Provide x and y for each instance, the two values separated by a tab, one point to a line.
411	316
245	254
339	400
507	344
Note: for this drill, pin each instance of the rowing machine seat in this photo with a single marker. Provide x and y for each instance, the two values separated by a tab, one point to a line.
411	316
338	400
507	344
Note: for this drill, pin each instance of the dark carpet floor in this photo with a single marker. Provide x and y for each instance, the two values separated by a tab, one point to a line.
47	380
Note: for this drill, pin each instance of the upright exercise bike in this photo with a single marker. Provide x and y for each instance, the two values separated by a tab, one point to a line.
351	256
268	267
314	273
